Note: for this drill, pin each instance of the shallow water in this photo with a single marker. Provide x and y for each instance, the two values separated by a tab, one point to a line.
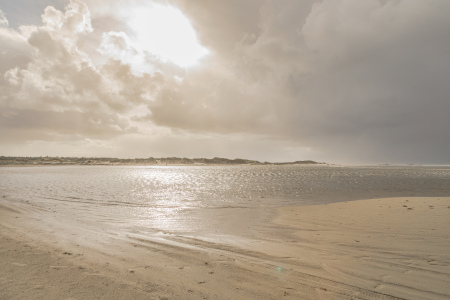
195	198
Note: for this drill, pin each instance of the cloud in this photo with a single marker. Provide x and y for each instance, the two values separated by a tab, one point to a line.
40	125
344	80
383	90
58	90
334	75
14	49
3	21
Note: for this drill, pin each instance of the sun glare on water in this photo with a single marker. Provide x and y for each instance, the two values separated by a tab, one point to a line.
165	32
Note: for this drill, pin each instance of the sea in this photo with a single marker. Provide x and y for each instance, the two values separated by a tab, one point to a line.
192	199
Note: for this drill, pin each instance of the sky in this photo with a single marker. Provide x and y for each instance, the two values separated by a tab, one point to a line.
339	81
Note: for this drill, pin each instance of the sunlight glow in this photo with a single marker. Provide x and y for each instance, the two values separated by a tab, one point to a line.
165	32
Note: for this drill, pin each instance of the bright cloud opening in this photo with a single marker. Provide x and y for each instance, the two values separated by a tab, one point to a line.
165	32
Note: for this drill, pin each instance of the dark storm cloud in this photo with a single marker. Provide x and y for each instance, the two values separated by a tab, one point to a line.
335	75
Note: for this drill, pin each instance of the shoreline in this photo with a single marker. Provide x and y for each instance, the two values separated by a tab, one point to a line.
437	167
111	161
369	249
162	165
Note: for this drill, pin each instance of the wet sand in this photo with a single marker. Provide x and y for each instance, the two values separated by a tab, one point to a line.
396	248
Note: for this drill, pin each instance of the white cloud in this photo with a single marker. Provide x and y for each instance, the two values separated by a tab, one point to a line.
14	49
12	76
3	21
60	91
75	20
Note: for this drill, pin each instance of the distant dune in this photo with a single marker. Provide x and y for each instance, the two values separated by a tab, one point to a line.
43	161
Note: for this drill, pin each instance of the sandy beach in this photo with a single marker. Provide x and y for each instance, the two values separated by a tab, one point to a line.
393	248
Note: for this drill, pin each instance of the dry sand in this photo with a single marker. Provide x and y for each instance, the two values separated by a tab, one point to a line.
397	248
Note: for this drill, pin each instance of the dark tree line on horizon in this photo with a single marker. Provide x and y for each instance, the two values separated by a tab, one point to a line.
47	160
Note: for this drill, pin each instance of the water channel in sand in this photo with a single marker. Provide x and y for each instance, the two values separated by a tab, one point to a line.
196	199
